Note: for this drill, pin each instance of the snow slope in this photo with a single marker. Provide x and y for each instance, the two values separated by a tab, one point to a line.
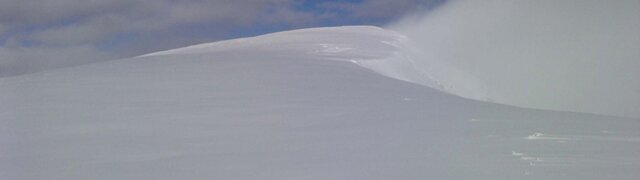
385	52
291	105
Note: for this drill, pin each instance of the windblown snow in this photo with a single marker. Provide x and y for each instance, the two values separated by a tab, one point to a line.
324	103
385	52
570	55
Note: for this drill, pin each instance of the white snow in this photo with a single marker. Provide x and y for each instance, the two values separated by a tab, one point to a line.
292	105
385	52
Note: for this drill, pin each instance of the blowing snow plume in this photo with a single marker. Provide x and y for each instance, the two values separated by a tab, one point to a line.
572	55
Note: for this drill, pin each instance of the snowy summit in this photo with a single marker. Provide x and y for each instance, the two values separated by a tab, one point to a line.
324	103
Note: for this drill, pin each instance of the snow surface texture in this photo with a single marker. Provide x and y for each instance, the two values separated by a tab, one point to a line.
292	105
573	55
385	52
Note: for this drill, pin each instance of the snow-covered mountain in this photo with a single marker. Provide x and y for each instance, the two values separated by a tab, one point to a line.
382	51
324	103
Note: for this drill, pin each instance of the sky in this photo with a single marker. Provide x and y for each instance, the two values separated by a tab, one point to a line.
37	35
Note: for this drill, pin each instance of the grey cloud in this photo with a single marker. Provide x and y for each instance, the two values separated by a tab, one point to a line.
37	12
16	61
3	29
66	32
94	31
382	8
91	22
295	18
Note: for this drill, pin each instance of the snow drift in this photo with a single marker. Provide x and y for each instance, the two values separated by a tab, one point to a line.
292	105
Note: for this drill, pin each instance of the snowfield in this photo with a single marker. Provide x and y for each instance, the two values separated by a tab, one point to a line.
325	103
